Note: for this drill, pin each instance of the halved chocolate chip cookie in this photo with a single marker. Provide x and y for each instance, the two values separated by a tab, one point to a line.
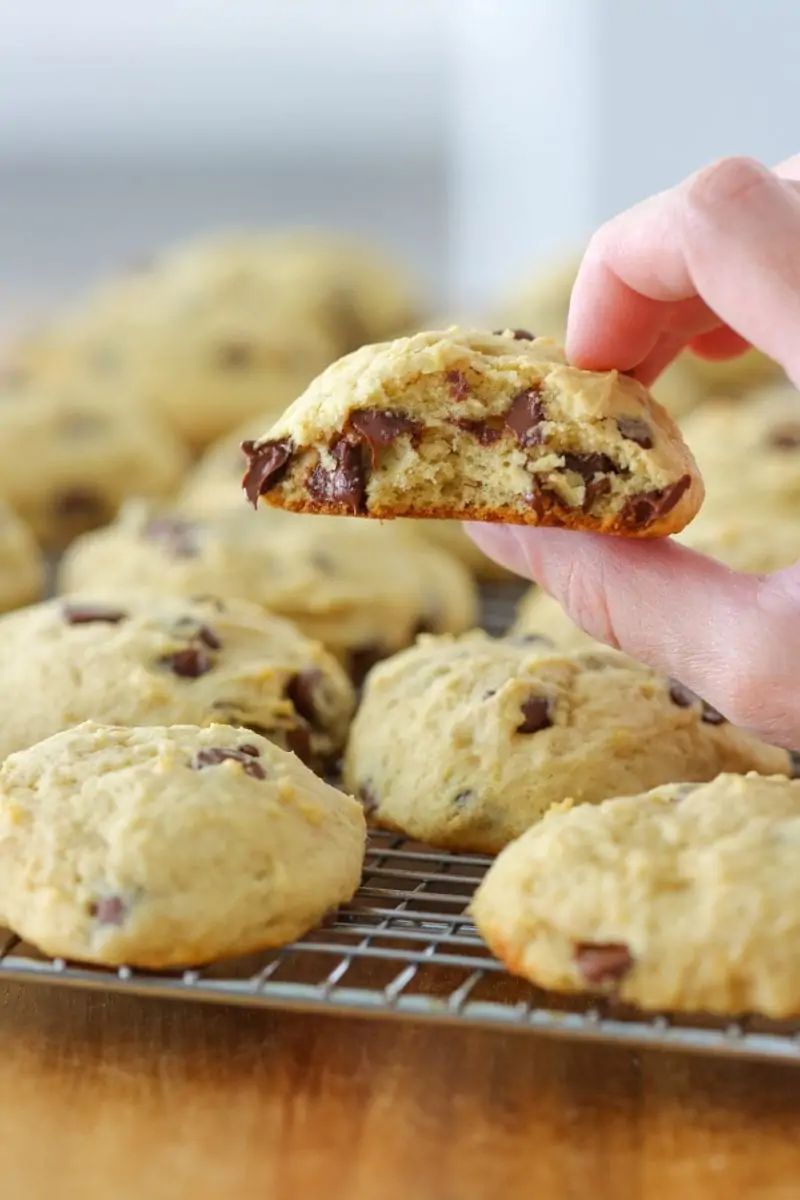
686	897
474	426
466	742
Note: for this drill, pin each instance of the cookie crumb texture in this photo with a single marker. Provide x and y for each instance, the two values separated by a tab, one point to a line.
466	742
685	898
169	847
473	426
140	659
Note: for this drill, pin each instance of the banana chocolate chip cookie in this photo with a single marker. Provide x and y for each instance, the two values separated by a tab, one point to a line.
169	847
474	426
362	590
466	742
145	659
686	897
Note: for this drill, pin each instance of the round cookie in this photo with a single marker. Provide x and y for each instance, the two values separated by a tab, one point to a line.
361	589
466	742
478	426
685	898
68	457
145	659
541	616
169	847
22	571
749	454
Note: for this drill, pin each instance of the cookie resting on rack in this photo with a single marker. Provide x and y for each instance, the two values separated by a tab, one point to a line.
482	427
684	898
169	847
466	742
145	659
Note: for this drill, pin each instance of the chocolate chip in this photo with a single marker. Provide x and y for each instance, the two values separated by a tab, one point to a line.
80	503
458	384
379	427
247	748
519	335
785	436
594	491
537	713
361	660
189	663
301	689
684	697
235	355
636	430
212	756
525	416
208	638
109	910
602	962
463	798
369	800
174	534
480	430
346	484
88	614
211	601
268	464
589	465
535	500
298	740
645	508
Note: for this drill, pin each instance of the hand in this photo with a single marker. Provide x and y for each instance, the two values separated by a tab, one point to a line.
714	264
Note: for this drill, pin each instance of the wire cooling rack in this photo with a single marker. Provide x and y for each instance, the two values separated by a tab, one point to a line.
406	948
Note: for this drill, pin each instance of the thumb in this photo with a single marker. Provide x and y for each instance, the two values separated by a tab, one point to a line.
733	638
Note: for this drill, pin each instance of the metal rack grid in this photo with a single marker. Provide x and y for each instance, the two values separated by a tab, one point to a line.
405	947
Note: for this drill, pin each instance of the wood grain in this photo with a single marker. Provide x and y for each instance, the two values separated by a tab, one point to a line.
116	1097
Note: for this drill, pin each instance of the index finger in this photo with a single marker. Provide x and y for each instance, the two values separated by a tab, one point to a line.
722	248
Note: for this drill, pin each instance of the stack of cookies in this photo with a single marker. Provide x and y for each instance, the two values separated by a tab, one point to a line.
171	716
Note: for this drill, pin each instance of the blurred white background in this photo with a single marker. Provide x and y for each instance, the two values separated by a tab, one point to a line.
473	136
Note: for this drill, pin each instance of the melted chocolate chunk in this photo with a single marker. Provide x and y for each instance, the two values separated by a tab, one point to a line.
267	466
594	491
684	697
525	416
361	660
174	534
785	437
346	484
253	751
298	740
109	910
603	962
88	614
642	510
80	503
480	430
537	713
535	500
519	335
380	427
189	663
458	384
236	355
301	690
589	465
212	756
369	800
636	430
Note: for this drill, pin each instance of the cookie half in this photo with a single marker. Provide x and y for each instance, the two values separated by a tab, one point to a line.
687	897
466	742
482	427
169	847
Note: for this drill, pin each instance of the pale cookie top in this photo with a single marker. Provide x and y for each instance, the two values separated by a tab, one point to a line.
132	658
467	741
487	426
685	897
162	847
352	585
539	615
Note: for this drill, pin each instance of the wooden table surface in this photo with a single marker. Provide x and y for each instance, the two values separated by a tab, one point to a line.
114	1097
